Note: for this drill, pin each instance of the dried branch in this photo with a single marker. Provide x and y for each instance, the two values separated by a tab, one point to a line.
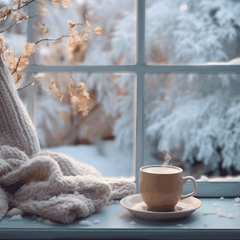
72	134
14	25
32	83
63	36
8	27
26	4
17	64
47	39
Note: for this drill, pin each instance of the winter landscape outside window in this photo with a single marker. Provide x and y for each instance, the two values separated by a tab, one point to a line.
161	61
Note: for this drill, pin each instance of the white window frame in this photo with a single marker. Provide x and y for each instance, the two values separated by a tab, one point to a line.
205	189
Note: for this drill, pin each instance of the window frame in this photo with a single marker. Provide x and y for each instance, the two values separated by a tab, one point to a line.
205	189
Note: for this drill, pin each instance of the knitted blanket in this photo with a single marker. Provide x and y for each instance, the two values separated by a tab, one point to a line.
48	184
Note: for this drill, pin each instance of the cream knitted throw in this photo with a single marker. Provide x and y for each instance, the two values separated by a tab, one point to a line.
51	185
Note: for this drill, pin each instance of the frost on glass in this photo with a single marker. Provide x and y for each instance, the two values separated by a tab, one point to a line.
194	121
104	137
115	46
192	32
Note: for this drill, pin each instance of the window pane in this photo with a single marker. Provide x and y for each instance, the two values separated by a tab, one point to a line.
192	32
115	46
104	137
193	120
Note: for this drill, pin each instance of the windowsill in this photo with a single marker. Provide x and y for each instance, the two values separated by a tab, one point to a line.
112	225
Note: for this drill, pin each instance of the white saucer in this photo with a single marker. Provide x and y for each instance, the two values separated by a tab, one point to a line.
138	208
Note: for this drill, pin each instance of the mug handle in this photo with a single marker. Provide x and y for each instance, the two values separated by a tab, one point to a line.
185	179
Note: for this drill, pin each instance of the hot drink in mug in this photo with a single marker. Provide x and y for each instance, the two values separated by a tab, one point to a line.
161	187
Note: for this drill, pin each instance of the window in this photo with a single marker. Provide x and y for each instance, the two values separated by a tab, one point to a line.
157	71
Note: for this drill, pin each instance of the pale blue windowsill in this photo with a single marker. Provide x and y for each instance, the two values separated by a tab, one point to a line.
112	225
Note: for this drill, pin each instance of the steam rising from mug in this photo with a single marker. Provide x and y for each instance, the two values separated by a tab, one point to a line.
167	158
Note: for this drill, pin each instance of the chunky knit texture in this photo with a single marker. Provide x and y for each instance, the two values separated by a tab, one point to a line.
49	184
16	128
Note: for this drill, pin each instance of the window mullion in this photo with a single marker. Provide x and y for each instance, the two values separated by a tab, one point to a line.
31	90
139	92
181	69
140	24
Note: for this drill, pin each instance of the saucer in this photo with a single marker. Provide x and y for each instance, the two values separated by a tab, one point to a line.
138	208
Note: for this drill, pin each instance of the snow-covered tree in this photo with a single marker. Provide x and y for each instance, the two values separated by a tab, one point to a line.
197	113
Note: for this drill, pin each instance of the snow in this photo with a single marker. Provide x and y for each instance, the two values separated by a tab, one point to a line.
16	218
132	223
219	213
112	163
46	221
183	7
96	221
125	214
237	200
221	198
6	2
235	61
140	206
230	215
215	204
17	46
85	223
203	178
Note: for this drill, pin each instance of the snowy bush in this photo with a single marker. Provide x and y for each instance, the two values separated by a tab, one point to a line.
200	113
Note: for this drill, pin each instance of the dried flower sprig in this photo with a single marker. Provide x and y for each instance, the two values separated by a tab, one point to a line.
15	12
2	45
54	89
79	95
17	64
43	31
98	30
56	3
65	3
